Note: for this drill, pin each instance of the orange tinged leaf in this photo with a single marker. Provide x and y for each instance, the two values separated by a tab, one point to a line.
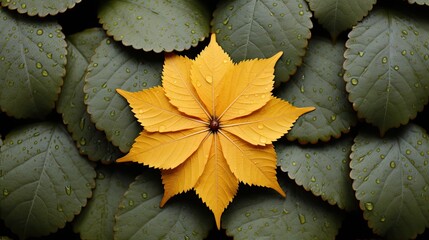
165	151
267	124
217	185
246	87
212	125
185	176
153	111
253	165
178	87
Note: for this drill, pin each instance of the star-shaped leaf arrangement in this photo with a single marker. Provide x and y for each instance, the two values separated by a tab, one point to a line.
211	125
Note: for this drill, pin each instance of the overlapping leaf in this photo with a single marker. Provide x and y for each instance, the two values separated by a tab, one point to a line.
140	217
32	59
96	220
249	29
89	140
114	66
40	7
322	169
45	181
156	25
318	82
386	67
391	179
420	2
337	16
257	214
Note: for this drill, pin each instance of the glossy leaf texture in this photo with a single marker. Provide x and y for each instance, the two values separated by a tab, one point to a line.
338	16
140	217
114	66
391	179
322	169
319	83
89	140
248	29
32	63
45	181
97	219
156	25
420	2
262	214
386	67
41	8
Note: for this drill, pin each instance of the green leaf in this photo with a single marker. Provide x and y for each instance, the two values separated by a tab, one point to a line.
391	179
114	66
387	67
337	16
249	29
97	218
90	141
156	25
420	2
322	169
44	180
40	7
140	217
319	83
264	215
32	59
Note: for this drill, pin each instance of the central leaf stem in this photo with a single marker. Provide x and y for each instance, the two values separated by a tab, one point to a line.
214	125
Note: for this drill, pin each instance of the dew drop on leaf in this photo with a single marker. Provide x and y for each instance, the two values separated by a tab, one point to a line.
302	219
68	189
5	192
369	206
392	164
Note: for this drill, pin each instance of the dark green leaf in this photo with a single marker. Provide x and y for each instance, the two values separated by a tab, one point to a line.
40	7
391	179
156	25
337	16
420	2
90	141
249	29
266	215
44	180
114	66
32	59
140	217
387	67
322	169
97	218
319	83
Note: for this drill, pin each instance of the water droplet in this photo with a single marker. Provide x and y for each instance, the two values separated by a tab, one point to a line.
209	79
57	147
377	181
408	151
260	126
314	118
405	32
130	203
139	17
23	6
247	214
39	32
112	113
239	229
263	140
369	206
39	65
382	219
384	60
82	142
302	89
302	219
49	55
68	190
396	67
95	64
5	192
382	156
82	123
354	81
161	128
392	164
426	57
225	21
404	52
60	208
144	195
361	54
45	73
313	179
301	13
333	117
409	177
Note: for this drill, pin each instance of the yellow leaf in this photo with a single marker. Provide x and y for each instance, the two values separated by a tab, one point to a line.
184	177
217	185
267	124
246	88
253	165
211	126
207	73
178	87
165	151
153	111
